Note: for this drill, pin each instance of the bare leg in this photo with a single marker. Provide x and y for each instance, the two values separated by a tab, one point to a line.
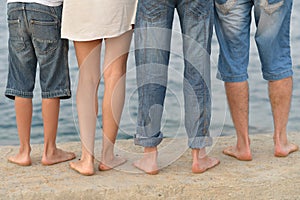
148	163
280	93
23	109
88	57
201	162
238	100
116	54
52	155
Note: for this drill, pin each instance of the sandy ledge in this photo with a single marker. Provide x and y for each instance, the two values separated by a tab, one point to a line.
266	177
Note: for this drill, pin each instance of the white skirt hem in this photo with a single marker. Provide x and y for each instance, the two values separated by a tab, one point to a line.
98	37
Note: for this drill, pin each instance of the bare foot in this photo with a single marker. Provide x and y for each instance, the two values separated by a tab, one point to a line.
112	163
57	156
148	163
83	167
285	150
147	166
243	155
21	159
203	164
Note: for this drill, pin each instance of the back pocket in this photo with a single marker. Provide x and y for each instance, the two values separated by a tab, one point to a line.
270	6
224	6
274	1
46	35
152	11
199	9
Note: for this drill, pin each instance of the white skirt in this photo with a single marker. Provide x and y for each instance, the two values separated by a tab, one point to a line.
85	20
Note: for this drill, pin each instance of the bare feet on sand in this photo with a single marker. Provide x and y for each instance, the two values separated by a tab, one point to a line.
203	164
84	167
108	164
57	156
241	151
22	159
285	150
148	163
240	154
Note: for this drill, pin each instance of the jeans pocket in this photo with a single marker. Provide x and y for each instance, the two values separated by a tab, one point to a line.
151	11
199	9
220	1
274	1
16	41
46	35
224	6
270	6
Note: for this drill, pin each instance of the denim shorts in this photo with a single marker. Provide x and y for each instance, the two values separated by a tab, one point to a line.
272	37
34	38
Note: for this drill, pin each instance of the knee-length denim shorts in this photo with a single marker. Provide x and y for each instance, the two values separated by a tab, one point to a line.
34	38
232	23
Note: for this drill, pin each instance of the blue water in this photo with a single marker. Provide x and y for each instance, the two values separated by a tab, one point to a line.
173	119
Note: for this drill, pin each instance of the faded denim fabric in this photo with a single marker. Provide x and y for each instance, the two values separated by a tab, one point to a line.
232	23
153	31
34	37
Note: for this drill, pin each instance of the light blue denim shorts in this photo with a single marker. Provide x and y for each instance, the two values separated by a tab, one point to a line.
34	38
232	23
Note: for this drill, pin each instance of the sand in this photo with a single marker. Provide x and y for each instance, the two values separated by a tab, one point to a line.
266	177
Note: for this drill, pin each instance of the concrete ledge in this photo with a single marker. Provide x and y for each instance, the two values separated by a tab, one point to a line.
266	177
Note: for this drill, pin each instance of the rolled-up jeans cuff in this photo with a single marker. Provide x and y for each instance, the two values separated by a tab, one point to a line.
200	142
148	141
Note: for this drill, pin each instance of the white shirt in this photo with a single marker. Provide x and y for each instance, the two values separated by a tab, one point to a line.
44	2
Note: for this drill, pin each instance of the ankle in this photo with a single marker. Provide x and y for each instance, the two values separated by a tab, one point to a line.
25	149
195	154
87	157
49	148
243	143
107	153
150	153
280	139
150	150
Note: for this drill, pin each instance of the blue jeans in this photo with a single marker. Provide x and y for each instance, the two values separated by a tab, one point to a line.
34	37
153	31
232	22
